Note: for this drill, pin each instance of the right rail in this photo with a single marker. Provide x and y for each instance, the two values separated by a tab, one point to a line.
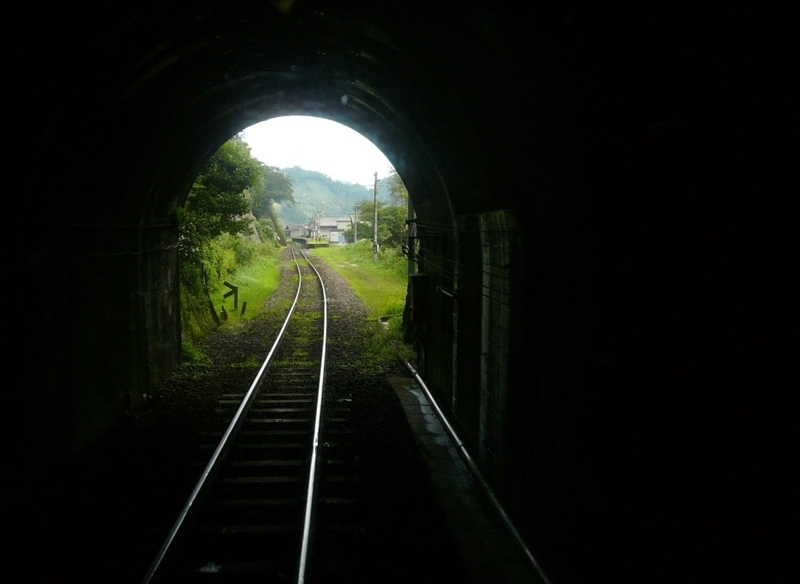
244	514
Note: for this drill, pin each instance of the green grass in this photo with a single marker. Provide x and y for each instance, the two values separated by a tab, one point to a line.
381	287
192	354
256	282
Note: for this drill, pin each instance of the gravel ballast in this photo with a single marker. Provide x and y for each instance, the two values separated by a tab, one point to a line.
103	517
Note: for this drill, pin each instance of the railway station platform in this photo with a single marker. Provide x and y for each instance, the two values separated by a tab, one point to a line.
484	544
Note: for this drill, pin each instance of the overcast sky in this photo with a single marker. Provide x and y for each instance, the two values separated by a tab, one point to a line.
317	144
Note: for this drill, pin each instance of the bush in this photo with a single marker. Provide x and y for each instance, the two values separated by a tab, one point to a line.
192	354
221	259
265	230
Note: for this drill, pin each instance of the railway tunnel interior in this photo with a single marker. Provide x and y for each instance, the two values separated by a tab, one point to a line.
566	168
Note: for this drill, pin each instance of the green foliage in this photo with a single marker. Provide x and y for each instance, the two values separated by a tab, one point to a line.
391	223
256	282
244	250
392	260
193	355
398	193
217	202
216	213
274	187
273	192
196	317
266	230
226	255
219	260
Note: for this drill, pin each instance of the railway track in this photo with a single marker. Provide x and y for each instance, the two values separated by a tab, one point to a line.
277	500
377	514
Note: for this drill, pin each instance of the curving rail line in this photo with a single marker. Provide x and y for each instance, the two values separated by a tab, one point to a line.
212	470
312	480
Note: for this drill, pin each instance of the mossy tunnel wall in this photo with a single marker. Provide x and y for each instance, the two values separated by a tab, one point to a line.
565	167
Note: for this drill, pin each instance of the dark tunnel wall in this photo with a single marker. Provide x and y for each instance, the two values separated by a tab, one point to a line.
575	174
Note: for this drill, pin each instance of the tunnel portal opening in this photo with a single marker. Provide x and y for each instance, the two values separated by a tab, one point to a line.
286	167
598	158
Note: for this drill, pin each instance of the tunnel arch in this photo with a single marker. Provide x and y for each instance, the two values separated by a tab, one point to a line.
159	93
606	149
306	66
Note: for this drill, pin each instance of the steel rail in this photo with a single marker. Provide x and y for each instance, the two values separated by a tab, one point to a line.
532	563
304	548
234	425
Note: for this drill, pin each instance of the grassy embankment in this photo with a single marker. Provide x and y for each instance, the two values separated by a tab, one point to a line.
380	285
255	284
255	281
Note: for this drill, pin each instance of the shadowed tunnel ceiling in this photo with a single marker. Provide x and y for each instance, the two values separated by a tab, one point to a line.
436	86
174	82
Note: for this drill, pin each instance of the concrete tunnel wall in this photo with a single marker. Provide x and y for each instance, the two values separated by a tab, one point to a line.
566	169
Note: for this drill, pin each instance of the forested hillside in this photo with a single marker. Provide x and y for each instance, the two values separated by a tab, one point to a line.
316	192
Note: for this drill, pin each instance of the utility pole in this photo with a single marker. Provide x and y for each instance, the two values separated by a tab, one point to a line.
355	224
375	222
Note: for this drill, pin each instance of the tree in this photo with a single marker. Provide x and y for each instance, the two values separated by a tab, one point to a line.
391	222
217	202
398	193
274	189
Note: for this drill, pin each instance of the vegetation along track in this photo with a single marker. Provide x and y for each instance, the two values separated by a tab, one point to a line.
247	522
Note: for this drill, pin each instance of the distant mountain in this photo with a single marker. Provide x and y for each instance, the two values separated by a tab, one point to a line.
316	192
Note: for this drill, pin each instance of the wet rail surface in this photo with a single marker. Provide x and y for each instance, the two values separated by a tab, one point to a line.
255	518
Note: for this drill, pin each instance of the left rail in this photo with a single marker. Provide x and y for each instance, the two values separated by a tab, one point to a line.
211	468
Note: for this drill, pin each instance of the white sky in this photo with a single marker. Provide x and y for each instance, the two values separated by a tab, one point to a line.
317	144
